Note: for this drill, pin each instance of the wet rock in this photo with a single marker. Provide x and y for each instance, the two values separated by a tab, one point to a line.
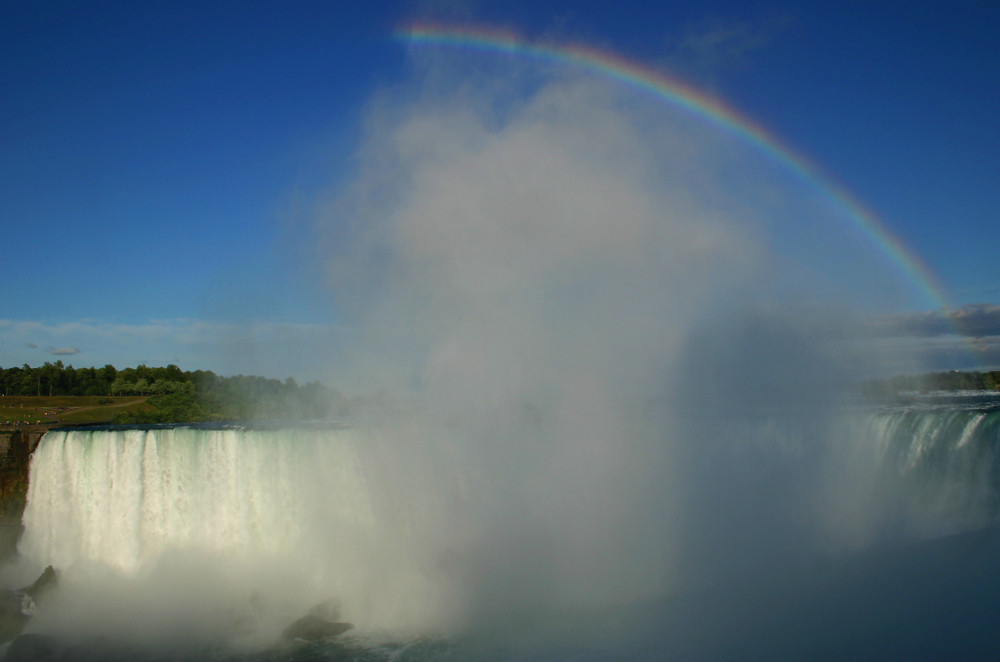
17	607
31	648
45	583
314	628
14	614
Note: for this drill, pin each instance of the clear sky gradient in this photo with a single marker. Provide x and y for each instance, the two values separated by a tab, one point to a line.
160	159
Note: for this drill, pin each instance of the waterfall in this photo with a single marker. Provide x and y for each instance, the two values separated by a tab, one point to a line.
416	528
949	460
916	472
121	496
327	512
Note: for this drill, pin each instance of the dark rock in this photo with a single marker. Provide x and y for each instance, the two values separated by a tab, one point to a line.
45	583
31	648
13	490
314	628
16	607
10	534
14	614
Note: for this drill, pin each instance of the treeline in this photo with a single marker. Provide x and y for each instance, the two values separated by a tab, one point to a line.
935	381
176	395
56	379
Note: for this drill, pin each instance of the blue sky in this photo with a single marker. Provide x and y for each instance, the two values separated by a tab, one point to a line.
163	162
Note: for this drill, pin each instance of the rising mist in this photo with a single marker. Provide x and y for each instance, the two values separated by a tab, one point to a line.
639	329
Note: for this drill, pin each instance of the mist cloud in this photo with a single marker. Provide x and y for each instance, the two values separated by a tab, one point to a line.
579	289
507	250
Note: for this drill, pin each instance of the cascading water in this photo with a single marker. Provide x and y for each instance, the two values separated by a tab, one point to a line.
120	497
278	518
936	468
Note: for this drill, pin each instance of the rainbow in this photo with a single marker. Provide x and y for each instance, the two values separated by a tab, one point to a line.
697	103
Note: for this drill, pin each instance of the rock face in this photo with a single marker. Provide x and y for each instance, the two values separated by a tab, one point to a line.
13	488
45	583
314	628
17	607
14	614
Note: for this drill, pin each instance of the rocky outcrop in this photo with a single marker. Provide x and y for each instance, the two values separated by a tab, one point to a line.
314	628
17	607
45	583
14	487
15	612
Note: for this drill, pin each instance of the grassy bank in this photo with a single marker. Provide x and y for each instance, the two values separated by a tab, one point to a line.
21	410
